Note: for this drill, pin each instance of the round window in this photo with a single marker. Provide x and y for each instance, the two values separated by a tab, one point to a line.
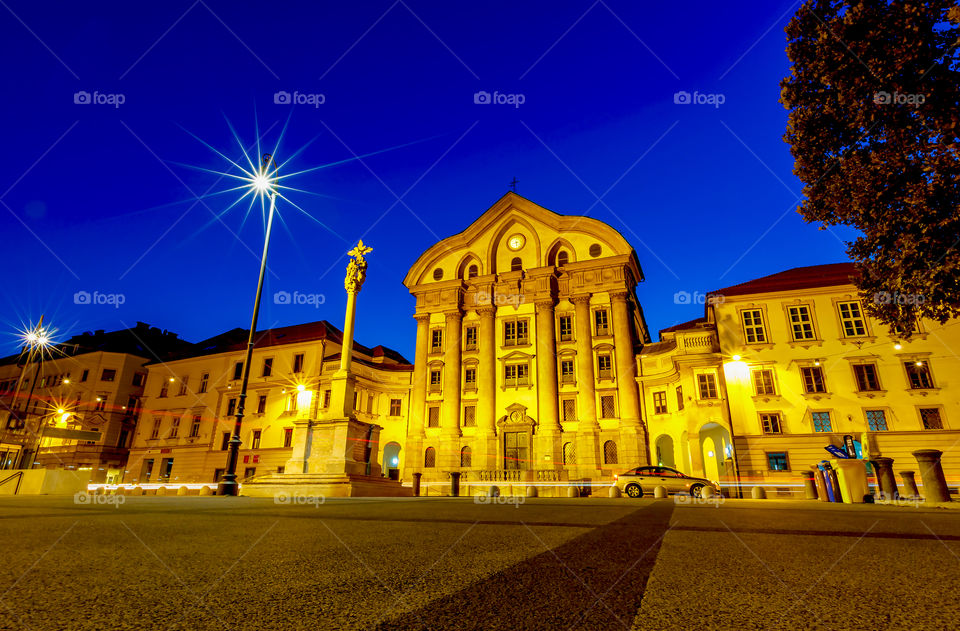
437	274
595	250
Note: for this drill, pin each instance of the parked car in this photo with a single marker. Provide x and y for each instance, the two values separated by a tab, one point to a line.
636	482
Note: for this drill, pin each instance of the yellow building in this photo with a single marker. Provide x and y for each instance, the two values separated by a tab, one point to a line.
191	402
91	383
797	365
527	328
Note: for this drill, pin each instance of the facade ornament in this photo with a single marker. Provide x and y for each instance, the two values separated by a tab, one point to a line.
357	267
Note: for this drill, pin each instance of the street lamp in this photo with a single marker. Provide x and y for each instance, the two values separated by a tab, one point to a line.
263	183
35	341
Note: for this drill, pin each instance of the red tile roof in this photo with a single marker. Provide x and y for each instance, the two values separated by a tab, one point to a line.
692	324
829	275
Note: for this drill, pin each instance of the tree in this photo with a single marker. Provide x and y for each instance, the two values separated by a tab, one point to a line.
874	100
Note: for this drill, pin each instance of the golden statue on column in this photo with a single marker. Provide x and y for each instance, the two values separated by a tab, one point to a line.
357	268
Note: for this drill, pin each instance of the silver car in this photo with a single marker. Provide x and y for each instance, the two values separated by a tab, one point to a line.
636	482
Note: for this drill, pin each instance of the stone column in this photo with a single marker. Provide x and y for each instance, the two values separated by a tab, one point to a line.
931	472
909	484
418	397
588	429
885	479
547	445
633	436
448	456
487	389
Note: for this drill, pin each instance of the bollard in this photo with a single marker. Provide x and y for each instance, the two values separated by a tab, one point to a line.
885	479
910	489
206	490
183	490
613	492
416	484
493	491
707	492
931	472
573	491
455	483
660	492
758	493
809	486
531	491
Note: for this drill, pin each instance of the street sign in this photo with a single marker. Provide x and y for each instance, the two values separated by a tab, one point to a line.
70	434
850	447
836	451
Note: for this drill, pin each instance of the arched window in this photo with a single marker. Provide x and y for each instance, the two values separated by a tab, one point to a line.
472	271
429	458
466	457
516	264
569	454
609	452
562	258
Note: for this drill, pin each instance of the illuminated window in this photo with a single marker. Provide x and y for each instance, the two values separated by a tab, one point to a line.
516	332
877	420
777	461
609	452
429	458
433	416
821	421
851	319
436	340
602	322
470	378
291	405
763	381
515	375
255	440
469	415
566	371
395	407
465	457
470	338
707	383
101	403
801	323
867	379
566	328
930	417
435	380
770	421
659	402
604	366
753	331
813	379
918	375
608	407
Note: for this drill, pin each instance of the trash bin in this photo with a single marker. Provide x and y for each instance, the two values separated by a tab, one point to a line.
852	476
821	484
830	481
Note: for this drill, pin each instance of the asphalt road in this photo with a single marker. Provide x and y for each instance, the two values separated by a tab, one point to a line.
435	563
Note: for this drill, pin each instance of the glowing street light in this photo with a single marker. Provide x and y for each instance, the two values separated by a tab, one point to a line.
36	341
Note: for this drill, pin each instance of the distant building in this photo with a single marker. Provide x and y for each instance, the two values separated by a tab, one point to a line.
191	402
92	382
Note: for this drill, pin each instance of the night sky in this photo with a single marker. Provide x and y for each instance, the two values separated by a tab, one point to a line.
97	197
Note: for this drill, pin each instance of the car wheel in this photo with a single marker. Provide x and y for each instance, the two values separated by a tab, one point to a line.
634	490
695	490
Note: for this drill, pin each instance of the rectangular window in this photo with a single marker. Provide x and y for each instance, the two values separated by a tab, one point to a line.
679	397
298	363
195	427
100	407
469	415
470	378
108	374
607	406
509	333
877	420
516	375
763	381
175	427
122	439
523	331
770	421
204	380
225	441
84	375
183	387
930	417
918	373
255	441
139	378
436	341
164	386
659	402
813	379
370	401
777	461
155	432
604	366
602	322
470	338
707	382
326	398
291	405
262	404
395	407
433	416
801	323
867	379
238	370
267	369
566	328
569	409
231	407
821	421
435	380
753	331
287	436
851	319
566	371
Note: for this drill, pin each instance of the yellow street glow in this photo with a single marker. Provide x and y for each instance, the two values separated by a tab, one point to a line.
736	358
301	388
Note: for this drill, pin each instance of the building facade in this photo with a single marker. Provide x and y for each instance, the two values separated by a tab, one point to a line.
191	403
527	331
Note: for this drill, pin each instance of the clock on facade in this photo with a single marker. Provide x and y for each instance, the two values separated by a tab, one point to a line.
516	242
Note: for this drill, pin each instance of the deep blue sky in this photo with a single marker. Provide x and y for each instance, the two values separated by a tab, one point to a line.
94	197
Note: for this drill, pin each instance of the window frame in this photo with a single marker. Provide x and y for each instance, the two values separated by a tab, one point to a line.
818	426
712	381
861	367
811	321
751	329
814	370
869	423
769	389
786	460
773	417
910	367
597	311
843	320
659	401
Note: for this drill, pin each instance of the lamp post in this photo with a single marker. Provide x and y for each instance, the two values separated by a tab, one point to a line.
36	340
265	184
